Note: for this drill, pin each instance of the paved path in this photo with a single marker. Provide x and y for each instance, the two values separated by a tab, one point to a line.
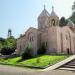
59	72
11	70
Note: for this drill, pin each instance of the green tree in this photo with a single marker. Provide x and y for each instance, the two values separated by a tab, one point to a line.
7	46
1	46
11	42
72	17
42	49
63	21
73	7
2	43
28	52
7	51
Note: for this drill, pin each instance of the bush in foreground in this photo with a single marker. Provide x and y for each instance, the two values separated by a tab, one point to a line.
27	53
42	50
7	51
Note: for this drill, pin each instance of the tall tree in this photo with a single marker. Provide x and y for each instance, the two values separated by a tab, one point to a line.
11	42
72	17
7	46
73	7
2	43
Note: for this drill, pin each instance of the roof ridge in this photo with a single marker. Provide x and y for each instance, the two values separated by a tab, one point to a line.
53	12
44	13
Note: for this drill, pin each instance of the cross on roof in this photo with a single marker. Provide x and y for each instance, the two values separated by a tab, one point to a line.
52	8
44	6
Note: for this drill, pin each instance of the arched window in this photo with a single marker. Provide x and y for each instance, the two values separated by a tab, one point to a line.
30	37
53	22
49	21
61	35
67	35
20	47
46	44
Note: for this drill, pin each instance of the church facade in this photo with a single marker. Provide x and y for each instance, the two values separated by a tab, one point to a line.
56	39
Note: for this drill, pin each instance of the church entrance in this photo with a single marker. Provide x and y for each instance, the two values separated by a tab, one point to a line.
68	51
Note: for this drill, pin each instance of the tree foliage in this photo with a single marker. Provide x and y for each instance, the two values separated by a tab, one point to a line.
28	52
2	43
63	21
73	6
7	51
9	43
72	18
42	49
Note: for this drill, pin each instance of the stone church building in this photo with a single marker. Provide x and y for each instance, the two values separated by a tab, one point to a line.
56	39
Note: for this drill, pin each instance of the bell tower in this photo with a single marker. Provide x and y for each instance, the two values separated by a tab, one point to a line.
54	18
9	33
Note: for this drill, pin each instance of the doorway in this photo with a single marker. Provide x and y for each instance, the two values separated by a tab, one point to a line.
68	51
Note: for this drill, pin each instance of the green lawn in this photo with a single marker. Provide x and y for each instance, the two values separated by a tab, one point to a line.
41	61
12	61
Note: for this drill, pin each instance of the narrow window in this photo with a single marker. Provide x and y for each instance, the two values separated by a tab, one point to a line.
32	38
53	22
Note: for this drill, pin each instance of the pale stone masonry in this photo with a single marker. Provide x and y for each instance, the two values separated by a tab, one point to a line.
57	39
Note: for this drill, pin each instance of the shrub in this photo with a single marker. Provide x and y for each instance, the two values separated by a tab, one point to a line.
7	51
27	53
42	50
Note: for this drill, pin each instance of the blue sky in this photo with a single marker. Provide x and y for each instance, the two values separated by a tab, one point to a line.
19	15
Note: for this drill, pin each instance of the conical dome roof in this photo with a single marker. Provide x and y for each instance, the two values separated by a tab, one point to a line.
44	13
9	30
70	23
53	13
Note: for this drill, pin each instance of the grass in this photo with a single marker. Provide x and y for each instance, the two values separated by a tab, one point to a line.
12	61
41	61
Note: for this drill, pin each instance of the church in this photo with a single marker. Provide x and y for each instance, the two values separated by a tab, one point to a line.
56	39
